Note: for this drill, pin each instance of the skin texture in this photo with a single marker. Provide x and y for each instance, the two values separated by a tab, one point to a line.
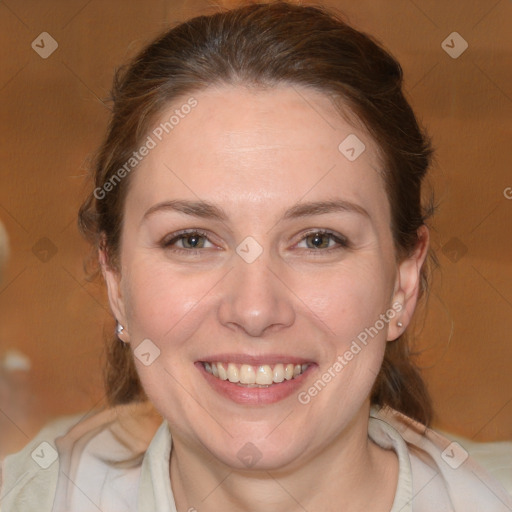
255	154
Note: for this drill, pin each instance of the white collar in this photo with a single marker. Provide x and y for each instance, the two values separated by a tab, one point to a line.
155	493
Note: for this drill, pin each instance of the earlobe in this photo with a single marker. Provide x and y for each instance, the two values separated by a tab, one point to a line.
408	284
112	279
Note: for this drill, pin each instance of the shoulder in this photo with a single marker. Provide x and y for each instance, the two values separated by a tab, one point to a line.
442	472
86	450
33	467
495	457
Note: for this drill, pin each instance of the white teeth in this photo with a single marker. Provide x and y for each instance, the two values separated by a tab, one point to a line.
278	372
263	375
232	373
247	374
222	371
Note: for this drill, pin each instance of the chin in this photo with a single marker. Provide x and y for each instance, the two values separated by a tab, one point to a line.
258	457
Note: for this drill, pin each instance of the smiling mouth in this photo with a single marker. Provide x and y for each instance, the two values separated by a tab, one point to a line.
262	376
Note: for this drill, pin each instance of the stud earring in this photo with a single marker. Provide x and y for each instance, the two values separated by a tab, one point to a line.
119	329
400	324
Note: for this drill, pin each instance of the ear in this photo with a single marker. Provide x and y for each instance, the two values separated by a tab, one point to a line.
113	281
407	285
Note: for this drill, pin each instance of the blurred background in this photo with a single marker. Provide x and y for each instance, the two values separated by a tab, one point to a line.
58	59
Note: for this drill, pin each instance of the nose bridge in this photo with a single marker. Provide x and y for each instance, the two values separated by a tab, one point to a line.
254	299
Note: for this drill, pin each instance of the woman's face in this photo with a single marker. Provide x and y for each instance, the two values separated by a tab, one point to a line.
289	264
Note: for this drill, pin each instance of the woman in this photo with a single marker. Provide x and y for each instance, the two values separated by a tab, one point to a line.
258	219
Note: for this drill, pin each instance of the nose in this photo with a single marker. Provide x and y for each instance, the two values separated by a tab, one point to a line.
254	300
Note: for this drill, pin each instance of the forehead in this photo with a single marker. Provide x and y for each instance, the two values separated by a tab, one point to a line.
258	147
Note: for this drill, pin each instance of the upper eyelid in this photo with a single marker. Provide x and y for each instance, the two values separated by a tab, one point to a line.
175	237
327	232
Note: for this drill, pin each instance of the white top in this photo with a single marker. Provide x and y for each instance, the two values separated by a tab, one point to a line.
65	469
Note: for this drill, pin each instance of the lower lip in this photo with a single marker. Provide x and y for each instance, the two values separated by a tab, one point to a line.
255	396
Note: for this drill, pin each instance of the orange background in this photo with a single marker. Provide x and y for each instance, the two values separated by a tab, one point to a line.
53	118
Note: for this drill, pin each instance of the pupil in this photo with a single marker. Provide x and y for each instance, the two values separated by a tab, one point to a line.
192	240
317	240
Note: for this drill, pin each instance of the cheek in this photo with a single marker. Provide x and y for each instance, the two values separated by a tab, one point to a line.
163	304
348	299
350	303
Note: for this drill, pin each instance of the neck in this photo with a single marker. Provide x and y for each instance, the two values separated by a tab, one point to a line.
350	473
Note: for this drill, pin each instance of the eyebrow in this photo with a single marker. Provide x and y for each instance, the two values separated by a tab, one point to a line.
206	210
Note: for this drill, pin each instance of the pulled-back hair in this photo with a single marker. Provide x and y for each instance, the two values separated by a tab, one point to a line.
262	46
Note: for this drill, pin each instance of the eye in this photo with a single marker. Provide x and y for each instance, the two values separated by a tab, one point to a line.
190	241
322	239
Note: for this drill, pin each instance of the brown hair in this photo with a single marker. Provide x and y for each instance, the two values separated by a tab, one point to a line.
262	45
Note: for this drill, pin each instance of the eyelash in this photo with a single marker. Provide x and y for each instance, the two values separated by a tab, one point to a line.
341	240
166	244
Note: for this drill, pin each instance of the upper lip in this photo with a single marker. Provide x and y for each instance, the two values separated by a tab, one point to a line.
259	360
